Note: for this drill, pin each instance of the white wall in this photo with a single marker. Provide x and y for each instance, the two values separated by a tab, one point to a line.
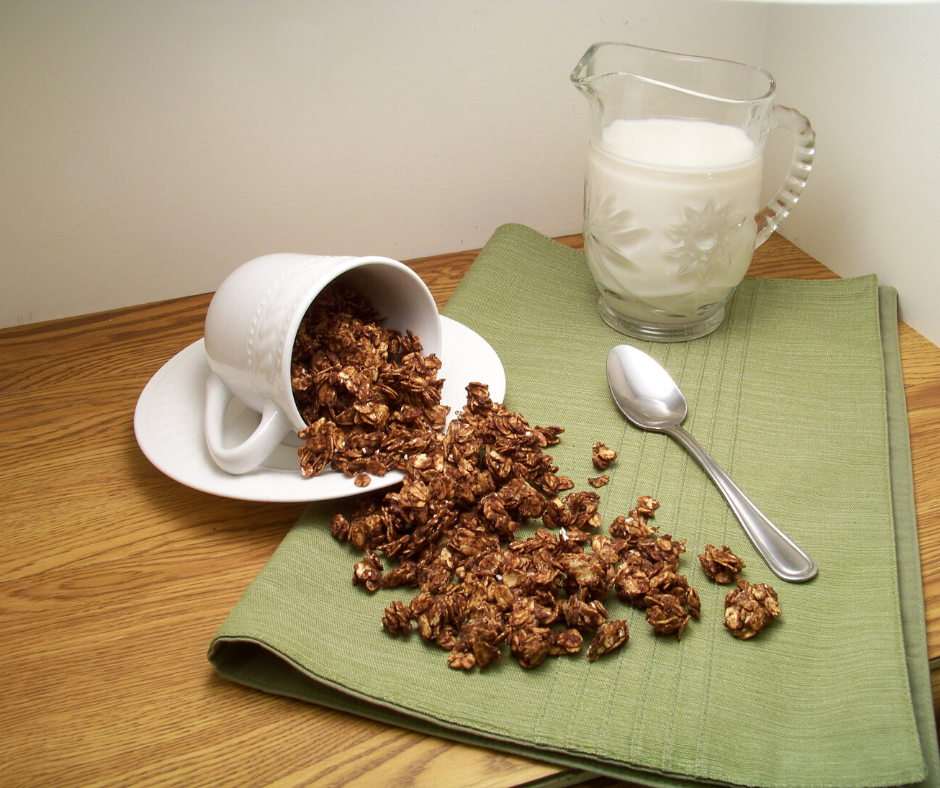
869	79
148	148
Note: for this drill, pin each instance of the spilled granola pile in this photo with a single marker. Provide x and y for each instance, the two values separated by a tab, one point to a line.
451	533
372	402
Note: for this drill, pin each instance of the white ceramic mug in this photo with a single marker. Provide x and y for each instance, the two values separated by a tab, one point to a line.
253	321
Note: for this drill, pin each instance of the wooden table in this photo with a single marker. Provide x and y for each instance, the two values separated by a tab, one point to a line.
114	577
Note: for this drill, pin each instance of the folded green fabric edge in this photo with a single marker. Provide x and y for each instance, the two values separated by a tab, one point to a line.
910	581
257	664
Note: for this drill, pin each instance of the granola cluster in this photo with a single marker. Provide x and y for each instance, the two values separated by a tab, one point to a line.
451	529
648	574
722	565
368	395
602	456
750	607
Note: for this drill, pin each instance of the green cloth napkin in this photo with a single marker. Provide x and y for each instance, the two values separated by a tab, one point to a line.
798	395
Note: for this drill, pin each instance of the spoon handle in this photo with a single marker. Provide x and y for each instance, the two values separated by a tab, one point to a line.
782	555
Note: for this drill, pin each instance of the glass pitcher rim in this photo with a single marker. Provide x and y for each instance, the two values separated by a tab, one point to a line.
580	80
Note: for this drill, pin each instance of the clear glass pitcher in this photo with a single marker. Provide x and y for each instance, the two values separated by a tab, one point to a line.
673	183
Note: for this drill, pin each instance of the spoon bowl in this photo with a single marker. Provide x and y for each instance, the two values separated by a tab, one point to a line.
649	397
644	391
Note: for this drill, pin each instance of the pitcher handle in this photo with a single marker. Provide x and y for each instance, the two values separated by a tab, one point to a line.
804	150
249	454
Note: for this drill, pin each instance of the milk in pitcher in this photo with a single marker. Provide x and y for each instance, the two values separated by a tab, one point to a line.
669	216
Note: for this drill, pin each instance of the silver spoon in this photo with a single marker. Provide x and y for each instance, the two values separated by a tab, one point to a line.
650	399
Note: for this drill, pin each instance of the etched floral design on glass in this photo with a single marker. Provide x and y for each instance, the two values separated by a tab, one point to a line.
709	238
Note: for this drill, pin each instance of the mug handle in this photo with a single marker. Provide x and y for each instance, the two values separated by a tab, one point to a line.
804	151
274	427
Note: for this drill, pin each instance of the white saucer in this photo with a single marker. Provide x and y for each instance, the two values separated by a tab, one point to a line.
169	423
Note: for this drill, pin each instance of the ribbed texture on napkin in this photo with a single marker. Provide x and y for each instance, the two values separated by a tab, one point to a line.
789	396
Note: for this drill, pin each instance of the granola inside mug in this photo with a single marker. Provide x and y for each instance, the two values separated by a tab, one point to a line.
251	326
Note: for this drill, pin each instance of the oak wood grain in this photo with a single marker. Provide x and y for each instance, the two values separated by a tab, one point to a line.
113	577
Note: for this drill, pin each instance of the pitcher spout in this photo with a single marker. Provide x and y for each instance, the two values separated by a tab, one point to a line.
585	71
627	82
